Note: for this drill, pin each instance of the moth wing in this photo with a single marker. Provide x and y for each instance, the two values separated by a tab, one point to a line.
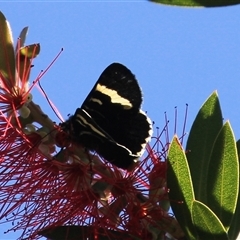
114	104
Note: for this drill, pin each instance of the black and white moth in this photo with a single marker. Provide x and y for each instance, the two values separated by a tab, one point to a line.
110	120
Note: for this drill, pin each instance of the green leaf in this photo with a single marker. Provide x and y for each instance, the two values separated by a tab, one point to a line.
82	232
198	3
200	142
7	56
206	223
235	224
180	187
223	176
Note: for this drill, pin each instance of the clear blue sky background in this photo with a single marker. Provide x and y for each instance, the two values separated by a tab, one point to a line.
179	55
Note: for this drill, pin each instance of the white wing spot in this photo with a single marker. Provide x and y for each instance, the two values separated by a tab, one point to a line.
81	120
96	101
115	97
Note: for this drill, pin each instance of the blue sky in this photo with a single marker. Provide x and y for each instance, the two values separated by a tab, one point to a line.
179	55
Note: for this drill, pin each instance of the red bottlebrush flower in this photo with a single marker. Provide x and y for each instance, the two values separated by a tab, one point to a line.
15	91
81	193
76	188
44	192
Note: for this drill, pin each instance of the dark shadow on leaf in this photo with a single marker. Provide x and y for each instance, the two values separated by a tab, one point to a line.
81	232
